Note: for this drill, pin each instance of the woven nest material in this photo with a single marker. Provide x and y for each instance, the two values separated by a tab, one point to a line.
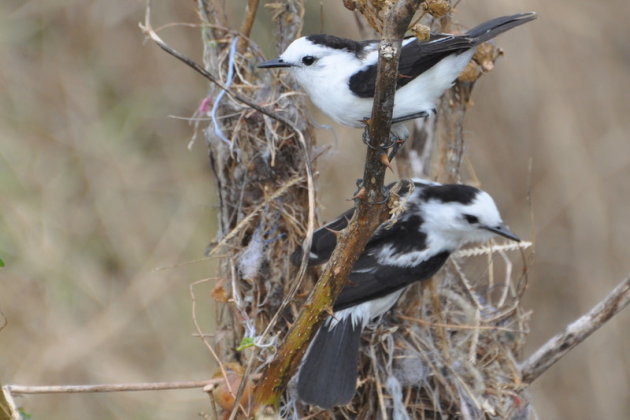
449	348
259	164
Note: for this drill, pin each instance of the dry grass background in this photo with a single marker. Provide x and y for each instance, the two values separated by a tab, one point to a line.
97	190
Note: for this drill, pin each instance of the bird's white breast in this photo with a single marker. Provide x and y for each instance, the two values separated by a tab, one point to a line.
327	85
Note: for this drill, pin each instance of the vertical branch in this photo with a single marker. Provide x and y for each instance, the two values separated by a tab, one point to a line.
288	17
450	133
248	23
370	213
412	160
212	11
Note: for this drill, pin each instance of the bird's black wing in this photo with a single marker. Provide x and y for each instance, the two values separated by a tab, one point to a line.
379	270
415	58
324	240
419	56
384	279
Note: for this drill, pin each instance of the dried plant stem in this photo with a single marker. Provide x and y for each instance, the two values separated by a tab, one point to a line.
8	408
450	121
456	326
150	32
440	331
370	213
138	386
247	219
576	332
377	380
203	337
248	22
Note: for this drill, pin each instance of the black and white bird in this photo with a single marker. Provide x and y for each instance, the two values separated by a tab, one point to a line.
437	220
339	75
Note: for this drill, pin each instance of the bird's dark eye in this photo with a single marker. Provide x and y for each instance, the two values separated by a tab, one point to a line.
471	219
308	60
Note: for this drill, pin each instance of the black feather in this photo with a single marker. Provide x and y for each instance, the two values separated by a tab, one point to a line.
419	56
494	27
324	241
328	374
334	42
385	279
450	193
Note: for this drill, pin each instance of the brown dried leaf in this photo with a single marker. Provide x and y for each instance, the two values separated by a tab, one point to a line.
218	293
437	8
420	31
350	4
221	392
470	73
485	55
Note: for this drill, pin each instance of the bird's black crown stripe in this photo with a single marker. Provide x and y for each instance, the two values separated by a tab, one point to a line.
451	193
337	43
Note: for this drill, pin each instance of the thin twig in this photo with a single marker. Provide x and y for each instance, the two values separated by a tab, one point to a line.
150	32
458	326
5	321
202	335
252	213
436	307
216	357
378	385
574	333
467	286
8	408
491	249
138	386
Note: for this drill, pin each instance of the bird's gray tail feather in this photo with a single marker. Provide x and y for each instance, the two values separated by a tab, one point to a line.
494	27
328	374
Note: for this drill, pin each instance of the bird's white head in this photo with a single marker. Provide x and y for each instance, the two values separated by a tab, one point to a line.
458	214
315	60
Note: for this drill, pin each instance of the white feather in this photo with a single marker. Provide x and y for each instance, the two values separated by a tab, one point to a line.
362	314
327	81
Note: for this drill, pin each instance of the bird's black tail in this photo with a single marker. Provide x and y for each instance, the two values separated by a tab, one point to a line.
328	374
494	27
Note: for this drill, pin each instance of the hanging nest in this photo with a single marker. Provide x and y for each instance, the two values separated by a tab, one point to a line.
259	163
450	347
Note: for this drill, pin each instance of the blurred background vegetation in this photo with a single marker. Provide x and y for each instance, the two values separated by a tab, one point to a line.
103	209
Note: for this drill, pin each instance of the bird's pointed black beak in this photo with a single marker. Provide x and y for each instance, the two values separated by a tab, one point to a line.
276	62
503	231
